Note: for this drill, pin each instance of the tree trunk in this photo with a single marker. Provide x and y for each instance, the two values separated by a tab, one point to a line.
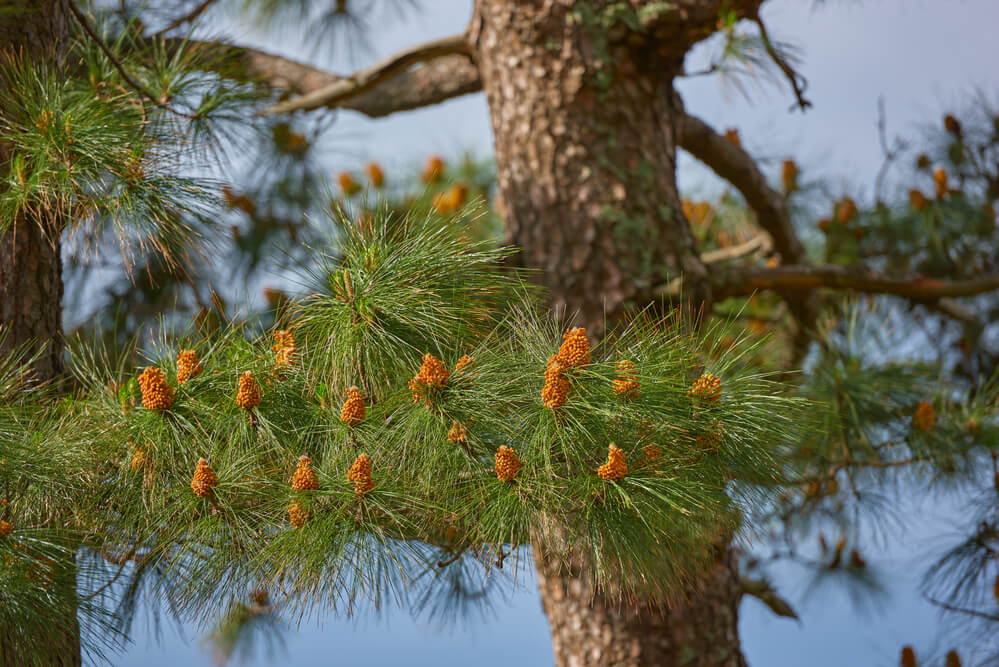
30	263
588	629
31	295
31	287
583	122
586	157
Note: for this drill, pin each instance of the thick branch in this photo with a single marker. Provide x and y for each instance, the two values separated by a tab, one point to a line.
366	79
436	81
792	278
736	166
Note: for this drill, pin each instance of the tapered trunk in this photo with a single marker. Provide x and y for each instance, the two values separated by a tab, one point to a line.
589	629
30	263
583	123
31	287
31	294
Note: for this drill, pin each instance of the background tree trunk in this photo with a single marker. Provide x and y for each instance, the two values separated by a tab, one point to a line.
31	294
31	287
583	121
586	157
30	263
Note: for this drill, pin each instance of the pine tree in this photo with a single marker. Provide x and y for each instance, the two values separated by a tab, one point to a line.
634	494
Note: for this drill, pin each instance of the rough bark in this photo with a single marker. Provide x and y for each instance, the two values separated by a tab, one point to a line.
31	287
586	157
31	295
30	263
590	630
585	138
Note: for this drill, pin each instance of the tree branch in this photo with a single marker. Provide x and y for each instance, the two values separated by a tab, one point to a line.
856	277
366	79
798	82
765	593
436	81
761	242
190	16
736	166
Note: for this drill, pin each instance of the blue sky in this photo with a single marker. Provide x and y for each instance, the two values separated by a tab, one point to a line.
922	57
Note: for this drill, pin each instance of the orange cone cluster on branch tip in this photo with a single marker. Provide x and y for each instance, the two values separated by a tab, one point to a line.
464	361
375	174
305	478
952	124
348	186
555	391
952	659
283	347
908	658
360	475
917	199
616	467
247	391
156	393
846	211
432	375
138	459
940	182
507	464
352	412
626	385
575	348
707	388
5	528
433	169
298	514
204	479
450	200
697	213
188	366
789	176
925	416
458	433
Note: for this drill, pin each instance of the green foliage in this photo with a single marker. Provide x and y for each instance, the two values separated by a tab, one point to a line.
416	287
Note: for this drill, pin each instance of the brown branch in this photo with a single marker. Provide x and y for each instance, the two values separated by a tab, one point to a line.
761	242
961	610
765	593
736	166
366	79
798	82
190	16
432	83
856	277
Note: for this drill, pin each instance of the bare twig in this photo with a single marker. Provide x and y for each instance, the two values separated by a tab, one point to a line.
190	16
765	593
961	610
368	78
798	82
761	242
